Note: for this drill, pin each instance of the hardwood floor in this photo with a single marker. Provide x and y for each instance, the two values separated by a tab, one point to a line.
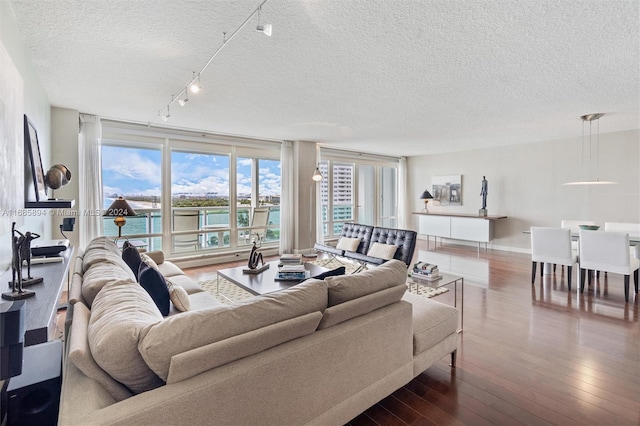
529	354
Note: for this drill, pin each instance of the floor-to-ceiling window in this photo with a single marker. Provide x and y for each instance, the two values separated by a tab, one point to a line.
134	171
356	189
209	191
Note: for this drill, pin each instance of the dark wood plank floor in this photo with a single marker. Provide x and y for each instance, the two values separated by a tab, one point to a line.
529	354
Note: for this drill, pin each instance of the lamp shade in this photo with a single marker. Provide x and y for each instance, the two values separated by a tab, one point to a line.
426	195
317	176
119	208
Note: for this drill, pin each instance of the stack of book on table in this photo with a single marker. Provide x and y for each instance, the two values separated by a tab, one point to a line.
291	273
291	259
423	271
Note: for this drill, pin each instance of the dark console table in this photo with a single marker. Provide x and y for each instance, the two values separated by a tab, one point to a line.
41	309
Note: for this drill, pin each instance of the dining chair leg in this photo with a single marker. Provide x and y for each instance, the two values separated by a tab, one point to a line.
626	288
569	268
589	275
582	271
533	272
554	268
635	279
541	269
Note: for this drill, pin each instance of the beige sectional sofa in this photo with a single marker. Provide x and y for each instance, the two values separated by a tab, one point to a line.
320	352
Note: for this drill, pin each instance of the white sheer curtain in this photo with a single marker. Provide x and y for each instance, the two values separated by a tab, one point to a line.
90	179
318	203
286	198
403	208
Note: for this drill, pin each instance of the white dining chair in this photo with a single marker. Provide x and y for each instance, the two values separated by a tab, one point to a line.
574	226
633	229
607	251
552	245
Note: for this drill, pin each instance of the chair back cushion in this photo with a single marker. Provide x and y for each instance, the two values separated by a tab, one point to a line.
404	239
362	232
633	229
574	225
551	245
605	251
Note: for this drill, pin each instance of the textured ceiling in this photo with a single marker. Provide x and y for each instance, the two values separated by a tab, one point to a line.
385	76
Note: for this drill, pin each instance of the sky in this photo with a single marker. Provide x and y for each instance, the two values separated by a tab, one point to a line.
137	171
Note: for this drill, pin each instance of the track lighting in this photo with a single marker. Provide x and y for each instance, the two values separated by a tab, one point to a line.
166	116
266	29
194	85
183	102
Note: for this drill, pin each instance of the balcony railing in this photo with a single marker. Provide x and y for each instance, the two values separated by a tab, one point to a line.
196	229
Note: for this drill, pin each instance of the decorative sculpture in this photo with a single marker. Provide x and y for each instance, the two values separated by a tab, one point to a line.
21	250
483	192
255	257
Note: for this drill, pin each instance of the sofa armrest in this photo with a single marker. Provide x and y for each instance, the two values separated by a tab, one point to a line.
156	255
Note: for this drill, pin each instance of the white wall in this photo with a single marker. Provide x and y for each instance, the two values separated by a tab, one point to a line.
525	184
37	108
64	150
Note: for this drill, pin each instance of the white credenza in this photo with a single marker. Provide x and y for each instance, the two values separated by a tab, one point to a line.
457	226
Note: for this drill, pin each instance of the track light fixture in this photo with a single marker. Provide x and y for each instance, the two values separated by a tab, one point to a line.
166	116
183	102
194	84
266	29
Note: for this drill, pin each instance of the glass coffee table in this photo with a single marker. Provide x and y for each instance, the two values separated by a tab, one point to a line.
264	282
445	280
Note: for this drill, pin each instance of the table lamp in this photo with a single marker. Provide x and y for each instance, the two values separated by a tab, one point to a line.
426	196
119	208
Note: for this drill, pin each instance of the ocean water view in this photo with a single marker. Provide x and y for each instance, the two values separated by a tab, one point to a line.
149	219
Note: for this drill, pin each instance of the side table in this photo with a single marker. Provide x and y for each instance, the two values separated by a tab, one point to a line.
445	280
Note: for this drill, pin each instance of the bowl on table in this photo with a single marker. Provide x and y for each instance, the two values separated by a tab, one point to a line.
589	227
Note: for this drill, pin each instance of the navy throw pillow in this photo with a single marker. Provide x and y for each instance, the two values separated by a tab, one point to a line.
131	257
334	272
154	283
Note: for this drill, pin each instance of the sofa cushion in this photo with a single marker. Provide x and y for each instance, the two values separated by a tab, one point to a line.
179	297
119	312
185	282
154	283
100	274
99	249
196	328
131	256
168	269
204	358
80	354
383	251
432	321
349	287
360	306
348	244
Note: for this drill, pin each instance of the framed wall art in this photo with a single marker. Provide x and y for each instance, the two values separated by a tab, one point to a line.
447	190
32	147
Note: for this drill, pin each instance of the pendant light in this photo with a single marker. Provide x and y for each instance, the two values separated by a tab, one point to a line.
590	118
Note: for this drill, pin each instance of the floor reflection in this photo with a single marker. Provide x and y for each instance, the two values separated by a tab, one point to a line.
551	291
